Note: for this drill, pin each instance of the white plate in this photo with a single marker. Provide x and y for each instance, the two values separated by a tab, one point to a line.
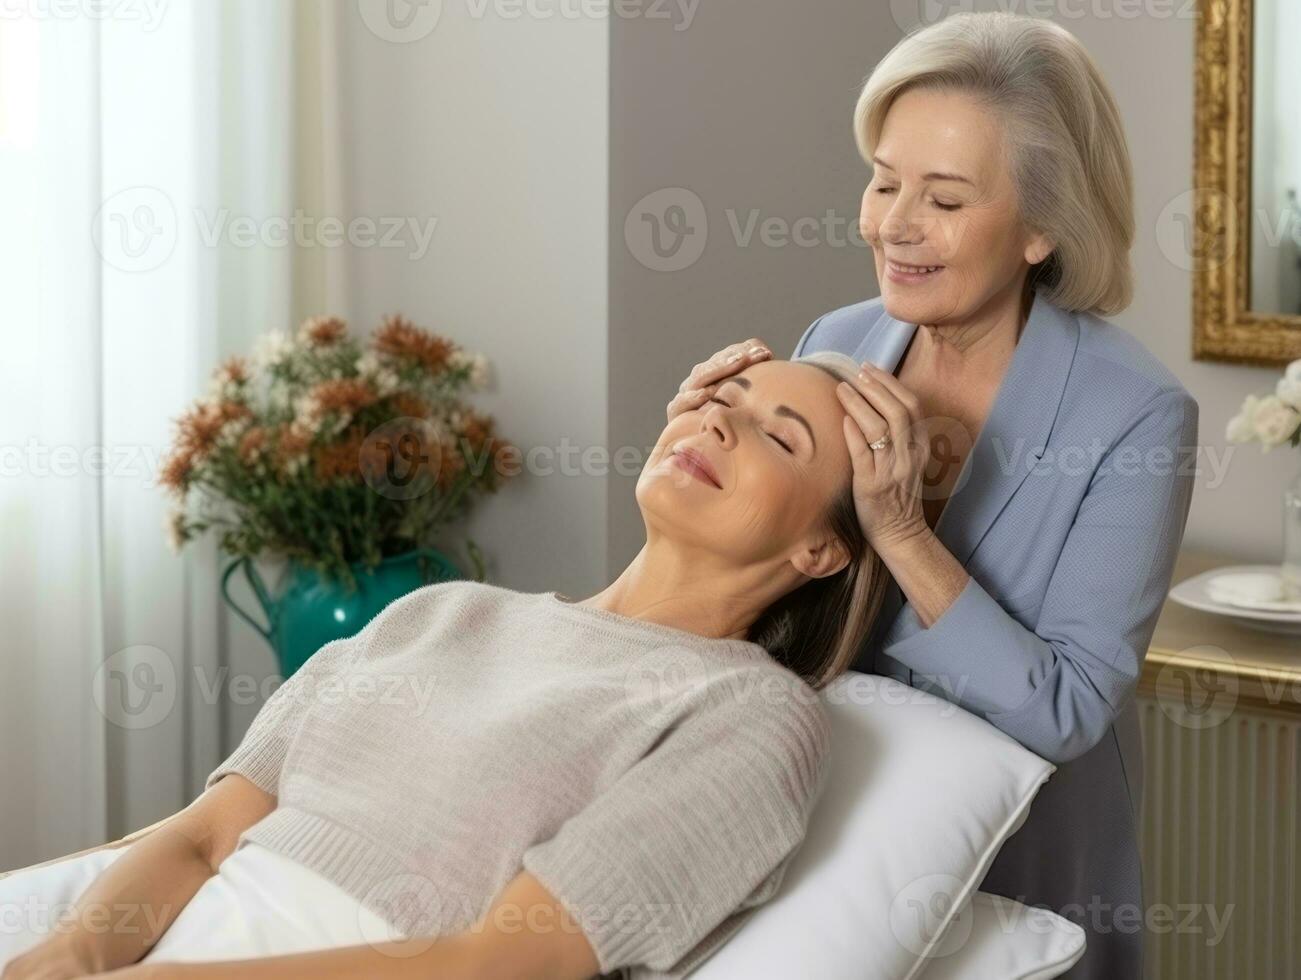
1192	592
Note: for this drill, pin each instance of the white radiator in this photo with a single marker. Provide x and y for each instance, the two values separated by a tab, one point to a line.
1220	829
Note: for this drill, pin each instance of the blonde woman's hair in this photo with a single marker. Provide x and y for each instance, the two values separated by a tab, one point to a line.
1065	142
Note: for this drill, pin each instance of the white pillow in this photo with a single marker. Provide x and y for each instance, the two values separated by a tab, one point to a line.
919	797
996	938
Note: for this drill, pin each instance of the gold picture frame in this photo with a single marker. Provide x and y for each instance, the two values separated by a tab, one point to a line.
1224	328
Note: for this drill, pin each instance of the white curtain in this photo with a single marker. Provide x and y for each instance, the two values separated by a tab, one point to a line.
129	142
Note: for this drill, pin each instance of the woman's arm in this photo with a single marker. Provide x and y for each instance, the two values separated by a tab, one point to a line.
1058	687
526	935
131	904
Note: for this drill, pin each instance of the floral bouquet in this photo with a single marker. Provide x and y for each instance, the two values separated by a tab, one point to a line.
1273	419
331	452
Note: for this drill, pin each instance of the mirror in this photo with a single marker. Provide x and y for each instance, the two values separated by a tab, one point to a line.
1276	159
1245	209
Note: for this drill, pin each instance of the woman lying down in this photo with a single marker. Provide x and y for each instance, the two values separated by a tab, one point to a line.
508	784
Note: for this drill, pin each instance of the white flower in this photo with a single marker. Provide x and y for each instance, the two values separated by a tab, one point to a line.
271	348
1275	421
477	365
386	382
479	371
368	365
232	429
1242	427
1289	386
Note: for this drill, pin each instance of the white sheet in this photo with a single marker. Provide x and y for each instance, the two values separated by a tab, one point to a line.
258	904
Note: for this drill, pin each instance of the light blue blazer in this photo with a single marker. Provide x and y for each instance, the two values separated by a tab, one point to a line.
1067	514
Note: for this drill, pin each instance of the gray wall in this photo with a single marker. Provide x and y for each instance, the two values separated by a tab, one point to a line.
533	140
748	110
751	108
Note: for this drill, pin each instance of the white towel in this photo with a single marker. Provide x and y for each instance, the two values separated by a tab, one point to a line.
258	904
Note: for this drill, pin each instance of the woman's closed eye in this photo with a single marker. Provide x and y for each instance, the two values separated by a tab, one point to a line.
780	442
938	204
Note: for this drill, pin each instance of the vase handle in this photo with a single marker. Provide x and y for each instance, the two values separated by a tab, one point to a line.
255	582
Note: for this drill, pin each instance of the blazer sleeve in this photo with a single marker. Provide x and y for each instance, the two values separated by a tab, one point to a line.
1057	688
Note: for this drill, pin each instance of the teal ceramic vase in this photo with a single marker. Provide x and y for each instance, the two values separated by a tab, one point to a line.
307	611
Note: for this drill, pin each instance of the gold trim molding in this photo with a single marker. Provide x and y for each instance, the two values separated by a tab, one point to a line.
1224	329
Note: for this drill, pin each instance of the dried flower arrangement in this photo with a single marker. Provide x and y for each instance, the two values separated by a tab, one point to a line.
329	451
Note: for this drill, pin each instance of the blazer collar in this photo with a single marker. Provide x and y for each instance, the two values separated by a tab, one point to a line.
1015	435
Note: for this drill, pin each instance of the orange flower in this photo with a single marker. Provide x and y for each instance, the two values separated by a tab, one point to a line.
407	405
292	443
198	429
339	460
177	469
322	331
344	395
234	370
252	444
476	429
400	338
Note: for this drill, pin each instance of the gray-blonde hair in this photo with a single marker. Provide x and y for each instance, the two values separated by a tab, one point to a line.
1066	145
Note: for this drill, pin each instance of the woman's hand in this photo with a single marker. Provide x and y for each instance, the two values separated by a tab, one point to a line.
705	377
887	481
55	958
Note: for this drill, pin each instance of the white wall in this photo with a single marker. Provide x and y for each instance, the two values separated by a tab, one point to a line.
497	129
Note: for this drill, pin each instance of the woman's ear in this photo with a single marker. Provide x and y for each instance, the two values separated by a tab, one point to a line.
1038	248
824	557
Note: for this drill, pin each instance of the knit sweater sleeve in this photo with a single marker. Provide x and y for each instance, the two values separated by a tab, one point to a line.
663	866
261	754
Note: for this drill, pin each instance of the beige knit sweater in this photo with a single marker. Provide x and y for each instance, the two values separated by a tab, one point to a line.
657	782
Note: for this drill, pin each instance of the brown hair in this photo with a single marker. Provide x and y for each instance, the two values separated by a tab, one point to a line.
818	629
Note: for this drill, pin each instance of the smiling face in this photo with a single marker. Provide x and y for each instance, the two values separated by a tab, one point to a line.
751	475
942	195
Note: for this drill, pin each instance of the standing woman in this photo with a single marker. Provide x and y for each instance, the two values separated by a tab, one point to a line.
1023	467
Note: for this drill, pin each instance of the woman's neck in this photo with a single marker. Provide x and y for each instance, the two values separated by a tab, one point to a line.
953	349
690	590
